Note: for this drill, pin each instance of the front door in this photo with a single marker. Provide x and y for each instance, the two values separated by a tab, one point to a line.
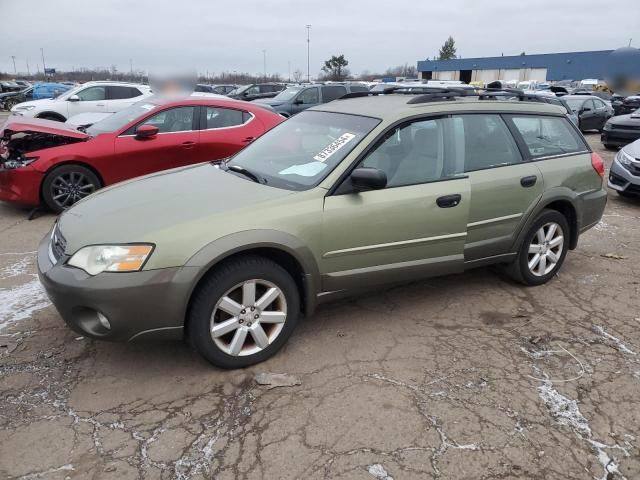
91	99
175	144
306	98
413	228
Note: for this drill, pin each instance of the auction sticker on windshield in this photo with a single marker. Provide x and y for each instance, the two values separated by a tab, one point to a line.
334	146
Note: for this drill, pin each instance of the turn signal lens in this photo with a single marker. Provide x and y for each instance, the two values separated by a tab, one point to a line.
111	258
598	164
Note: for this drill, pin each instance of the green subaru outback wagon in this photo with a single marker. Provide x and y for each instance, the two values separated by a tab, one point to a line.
352	194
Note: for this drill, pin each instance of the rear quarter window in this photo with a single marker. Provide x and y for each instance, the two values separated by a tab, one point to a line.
548	136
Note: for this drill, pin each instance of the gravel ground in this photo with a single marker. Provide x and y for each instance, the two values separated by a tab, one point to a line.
467	376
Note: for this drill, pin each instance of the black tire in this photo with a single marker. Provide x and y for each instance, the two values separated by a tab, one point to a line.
216	285
626	194
84	183
608	146
52	116
10	103
519	269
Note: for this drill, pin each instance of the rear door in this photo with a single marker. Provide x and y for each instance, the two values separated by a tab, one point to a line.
225	131
176	144
413	228
120	97
504	186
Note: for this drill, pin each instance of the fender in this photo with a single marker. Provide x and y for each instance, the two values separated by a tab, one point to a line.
563	194
221	248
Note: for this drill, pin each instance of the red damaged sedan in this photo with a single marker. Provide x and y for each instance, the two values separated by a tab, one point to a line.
52	164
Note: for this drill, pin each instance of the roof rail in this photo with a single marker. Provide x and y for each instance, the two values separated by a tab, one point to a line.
432	94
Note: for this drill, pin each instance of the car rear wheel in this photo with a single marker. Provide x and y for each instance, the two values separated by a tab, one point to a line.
244	312
65	185
608	146
543	250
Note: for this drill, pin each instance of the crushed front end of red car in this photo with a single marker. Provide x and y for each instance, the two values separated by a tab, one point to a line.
19	181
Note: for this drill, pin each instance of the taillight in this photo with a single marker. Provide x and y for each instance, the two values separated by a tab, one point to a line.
598	164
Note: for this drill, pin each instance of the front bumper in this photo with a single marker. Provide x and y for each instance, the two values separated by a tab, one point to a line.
619	137
20	185
138	305
623	180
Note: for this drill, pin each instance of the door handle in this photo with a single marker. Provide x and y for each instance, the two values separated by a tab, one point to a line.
448	201
248	139
188	144
529	181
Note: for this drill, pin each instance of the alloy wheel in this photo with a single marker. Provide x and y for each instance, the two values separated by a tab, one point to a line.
545	249
248	317
68	188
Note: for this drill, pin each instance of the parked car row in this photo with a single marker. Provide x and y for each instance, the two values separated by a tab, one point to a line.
56	164
38	91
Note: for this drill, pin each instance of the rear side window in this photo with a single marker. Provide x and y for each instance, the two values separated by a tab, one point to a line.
224	117
332	92
487	142
547	136
120	93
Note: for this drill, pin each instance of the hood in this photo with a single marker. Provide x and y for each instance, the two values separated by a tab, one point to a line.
165	205
87	119
272	102
633	149
38	125
631	119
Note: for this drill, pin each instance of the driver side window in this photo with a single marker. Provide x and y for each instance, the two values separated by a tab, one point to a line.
309	96
92	94
178	119
414	153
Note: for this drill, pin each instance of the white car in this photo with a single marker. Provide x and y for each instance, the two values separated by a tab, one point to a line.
99	97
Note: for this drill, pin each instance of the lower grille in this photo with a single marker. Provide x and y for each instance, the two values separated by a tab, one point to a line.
58	244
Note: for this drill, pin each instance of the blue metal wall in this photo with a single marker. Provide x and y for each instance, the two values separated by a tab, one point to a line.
560	66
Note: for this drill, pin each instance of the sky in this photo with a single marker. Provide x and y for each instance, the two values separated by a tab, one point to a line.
216	36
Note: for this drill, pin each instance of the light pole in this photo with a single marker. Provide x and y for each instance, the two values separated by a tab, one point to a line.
264	59
44	66
308	27
13	57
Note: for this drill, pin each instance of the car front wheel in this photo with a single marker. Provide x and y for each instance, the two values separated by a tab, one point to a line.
543	250
65	185
244	312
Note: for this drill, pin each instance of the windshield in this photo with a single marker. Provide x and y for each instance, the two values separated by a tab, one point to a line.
299	153
288	94
120	119
239	90
575	103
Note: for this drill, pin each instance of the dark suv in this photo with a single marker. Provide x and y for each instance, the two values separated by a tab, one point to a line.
300	97
256	91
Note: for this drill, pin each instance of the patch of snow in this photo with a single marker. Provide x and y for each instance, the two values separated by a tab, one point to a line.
566	412
16	269
378	471
618	343
19	303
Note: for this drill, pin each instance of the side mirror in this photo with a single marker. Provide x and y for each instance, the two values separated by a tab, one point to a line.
72	98
146	131
297	101
367	178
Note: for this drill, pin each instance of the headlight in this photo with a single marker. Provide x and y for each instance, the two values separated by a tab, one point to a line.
624	158
607	126
11	164
111	258
26	107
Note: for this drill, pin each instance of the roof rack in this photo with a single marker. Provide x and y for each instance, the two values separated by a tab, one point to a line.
434	94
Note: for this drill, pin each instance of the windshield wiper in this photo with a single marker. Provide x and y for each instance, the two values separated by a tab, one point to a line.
243	171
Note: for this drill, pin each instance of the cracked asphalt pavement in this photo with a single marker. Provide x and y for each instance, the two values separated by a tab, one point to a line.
466	376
